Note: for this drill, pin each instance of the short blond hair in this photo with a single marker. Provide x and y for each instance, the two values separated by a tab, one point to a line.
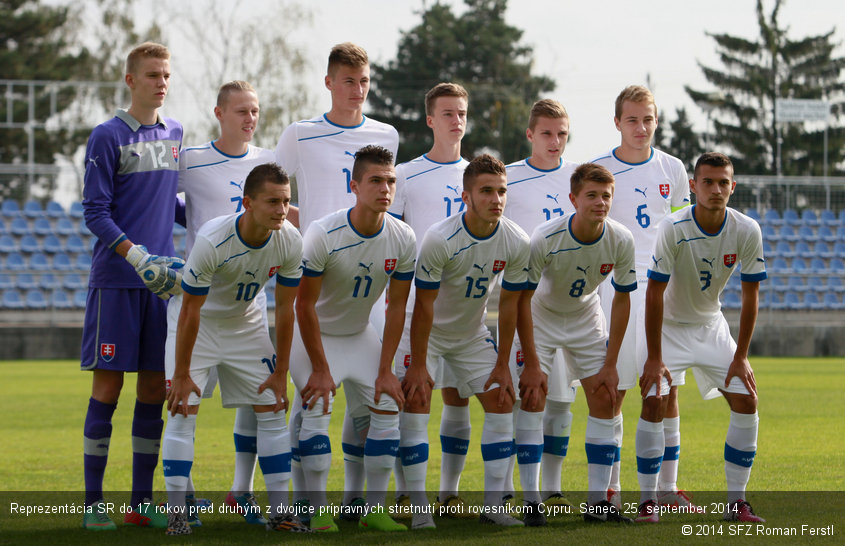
445	89
634	93
589	172
233	86
347	54
546	108
147	50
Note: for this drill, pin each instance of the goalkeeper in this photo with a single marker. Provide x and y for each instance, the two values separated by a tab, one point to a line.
129	197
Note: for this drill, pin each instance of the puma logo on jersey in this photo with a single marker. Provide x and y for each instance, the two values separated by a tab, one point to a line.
348	153
553	197
708	262
94	160
196	277
582	269
638	190
367	267
233	183
250	273
425	270
453	188
480	267
656	260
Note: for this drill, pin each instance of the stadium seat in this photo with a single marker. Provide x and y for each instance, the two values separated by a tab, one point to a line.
29	244
839	249
828	218
10	208
818	267
811	301
784	250
49	281
39	262
83	230
799	266
61	262
6	281
15	262
76	210
753	214
12	300
64	226
26	281
768	250
80	298
788	233
33	209
779	265
73	281
35	299
841	217
772	218
816	284
790	217
42	226
831	301
779	283
3	228
55	210
809	218
808	234
802	249
834	283
8	244
837	266
82	262
796	284
731	299
792	301
766	299
76	245
828	235
19	226
822	250
770	233
92	242
59	299
52	244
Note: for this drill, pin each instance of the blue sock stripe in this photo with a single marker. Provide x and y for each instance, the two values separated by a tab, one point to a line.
672	453
245	444
600	453
647	465
529	453
317	445
352	450
377	448
173	467
555	445
413	454
740	458
455	446
275	464
496	451
617	455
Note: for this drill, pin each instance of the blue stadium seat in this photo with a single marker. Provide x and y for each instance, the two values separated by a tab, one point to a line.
6	281
841	217
55	210
731	299
10	208
818	267
812	301
49	281
839	249
822	250
82	262
799	266
806	233
35	299
792	301
802	249
83	230
834	283
15	262
826	234
3	228
73	281
8	244
64	226
767	299
809	218
59	299
770	233
831	301
837	266
33	209
39	262
772	218
768	250
787	232
828	218
76	210
19	226
796	284
816	284
779	265
790	217
42	226
753	214
779	283
29	244
840	234
26	281
76	245
12	300
784	250
61	262
80	298
52	244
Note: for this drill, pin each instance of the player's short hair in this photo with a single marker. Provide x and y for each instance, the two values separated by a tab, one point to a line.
233	86
546	108
147	50
370	155
589	172
713	159
634	93
346	54
443	89
261	174
482	164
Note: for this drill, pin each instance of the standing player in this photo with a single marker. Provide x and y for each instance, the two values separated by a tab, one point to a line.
427	191
538	187
570	257
319	153
458	264
131	172
221	325
348	258
696	251
650	184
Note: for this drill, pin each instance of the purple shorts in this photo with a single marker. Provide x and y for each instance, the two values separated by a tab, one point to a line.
125	330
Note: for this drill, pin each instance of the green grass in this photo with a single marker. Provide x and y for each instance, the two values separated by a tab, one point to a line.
800	449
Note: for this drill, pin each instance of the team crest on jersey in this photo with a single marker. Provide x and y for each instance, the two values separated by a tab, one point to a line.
389	265
273	271
605	269
175	152
498	265
730	260
520	359
107	351
407	361
664	190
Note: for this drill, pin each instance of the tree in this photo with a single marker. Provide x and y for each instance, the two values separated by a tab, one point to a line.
477	49
683	142
757	72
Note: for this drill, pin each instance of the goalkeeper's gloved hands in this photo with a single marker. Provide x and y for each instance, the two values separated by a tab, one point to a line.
161	274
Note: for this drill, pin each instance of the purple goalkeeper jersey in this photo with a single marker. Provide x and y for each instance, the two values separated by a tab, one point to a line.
131	174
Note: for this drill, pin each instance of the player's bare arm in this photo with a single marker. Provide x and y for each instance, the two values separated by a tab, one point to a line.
320	384
740	366
533	383
654	369
608	377
285	296
181	385
501	374
417	380
386	382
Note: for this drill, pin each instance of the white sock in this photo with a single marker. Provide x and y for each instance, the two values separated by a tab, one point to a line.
245	450
315	452
177	456
413	450
297	477
668	480
399	474
273	449
557	426
379	455
618	433
509	490
529	449
649	456
601	450
740	448
455	431
353	438
496	449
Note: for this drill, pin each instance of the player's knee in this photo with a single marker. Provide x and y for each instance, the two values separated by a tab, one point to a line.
653	409
151	387
743	403
106	386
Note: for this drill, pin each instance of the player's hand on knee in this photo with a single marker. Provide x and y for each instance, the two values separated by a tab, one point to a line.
320	385
179	393
278	384
501	375
388	384
533	386
653	371
608	378
161	274
740	367
417	384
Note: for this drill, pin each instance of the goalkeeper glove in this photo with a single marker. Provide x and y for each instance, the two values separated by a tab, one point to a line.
161	274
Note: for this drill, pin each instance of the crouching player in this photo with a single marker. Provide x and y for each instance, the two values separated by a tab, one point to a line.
696	250
220	325
570	256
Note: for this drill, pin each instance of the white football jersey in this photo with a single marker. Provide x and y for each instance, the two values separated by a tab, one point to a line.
427	192
645	194
464	268
566	272
536	196
355	268
231	272
320	154
213	183
697	265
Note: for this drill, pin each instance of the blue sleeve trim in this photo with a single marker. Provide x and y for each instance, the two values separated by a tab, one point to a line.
530	285
118	241
627	288
662	277
285	281
310	272
753	277
427	285
407	276
513	287
194	290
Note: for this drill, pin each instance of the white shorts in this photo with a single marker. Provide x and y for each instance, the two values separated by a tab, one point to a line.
633	352
403	358
561	389
353	362
706	348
